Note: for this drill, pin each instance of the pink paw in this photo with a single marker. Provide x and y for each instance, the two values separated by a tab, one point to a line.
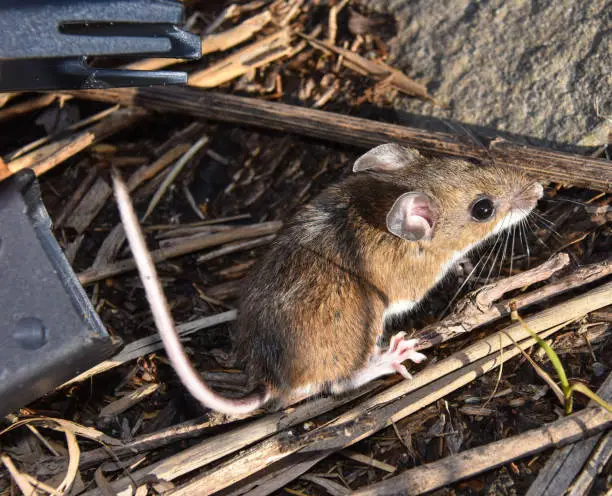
399	351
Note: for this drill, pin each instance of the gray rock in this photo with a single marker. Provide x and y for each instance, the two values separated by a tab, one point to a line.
531	68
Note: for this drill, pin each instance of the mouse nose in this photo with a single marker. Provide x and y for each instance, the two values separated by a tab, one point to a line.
538	190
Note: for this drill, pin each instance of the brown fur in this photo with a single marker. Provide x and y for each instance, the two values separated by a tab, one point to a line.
313	307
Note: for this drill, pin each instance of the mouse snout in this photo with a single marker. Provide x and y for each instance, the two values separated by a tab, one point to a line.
528	197
538	190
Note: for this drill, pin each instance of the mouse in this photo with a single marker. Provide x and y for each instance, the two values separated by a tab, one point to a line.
367	249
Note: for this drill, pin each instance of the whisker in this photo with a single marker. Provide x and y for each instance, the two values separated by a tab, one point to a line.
501	261
497	252
512	248
524	229
547	224
452	300
531	223
486	261
565	200
499	237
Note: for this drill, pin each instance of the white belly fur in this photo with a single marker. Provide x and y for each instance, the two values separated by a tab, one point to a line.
397	308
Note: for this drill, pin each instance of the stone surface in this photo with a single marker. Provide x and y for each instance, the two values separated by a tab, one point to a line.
532	68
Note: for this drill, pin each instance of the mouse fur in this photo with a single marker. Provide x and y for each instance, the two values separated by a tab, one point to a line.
314	305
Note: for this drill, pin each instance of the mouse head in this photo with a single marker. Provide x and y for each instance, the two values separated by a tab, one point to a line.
452	204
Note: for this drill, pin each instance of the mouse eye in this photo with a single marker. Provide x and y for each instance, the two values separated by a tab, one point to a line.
482	209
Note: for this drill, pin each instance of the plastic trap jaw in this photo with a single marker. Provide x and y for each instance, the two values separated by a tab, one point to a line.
44	44
49	330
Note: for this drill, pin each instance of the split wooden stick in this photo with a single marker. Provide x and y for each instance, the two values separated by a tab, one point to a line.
541	163
477	460
190	246
369	415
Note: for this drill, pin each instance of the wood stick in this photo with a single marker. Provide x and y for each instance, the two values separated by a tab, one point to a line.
27	106
472	315
48	156
355	425
76	197
150	344
234	247
375	413
564	464
255	55
206	241
220	445
594	466
490	294
73	127
276	478
147	442
380	411
89	206
542	163
128	401
116	237
329	485
477	460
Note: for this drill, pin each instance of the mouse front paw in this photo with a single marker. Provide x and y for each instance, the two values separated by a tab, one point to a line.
400	350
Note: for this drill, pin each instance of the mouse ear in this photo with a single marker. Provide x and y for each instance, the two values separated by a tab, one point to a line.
412	217
387	157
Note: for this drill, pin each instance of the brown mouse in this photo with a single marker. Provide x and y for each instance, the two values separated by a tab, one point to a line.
367	248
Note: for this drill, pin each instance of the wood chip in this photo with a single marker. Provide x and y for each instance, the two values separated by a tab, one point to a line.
76	197
89	206
258	54
329	485
207	241
477	460
53	154
27	106
128	401
368	460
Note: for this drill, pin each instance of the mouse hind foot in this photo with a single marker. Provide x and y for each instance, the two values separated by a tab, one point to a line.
384	363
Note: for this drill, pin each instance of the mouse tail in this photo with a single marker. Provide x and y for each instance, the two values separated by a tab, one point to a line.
163	318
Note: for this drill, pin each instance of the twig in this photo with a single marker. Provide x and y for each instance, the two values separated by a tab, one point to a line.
172	174
147	442
211	42
598	461
565	463
257	54
236	35
234	247
368	460
333	21
150	344
375	413
477	460
471	316
206	241
221	445
128	401
73	127
27	106
5	97
70	205
541	163
490	294
330	486
89	206
22	482
48	156
229	11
